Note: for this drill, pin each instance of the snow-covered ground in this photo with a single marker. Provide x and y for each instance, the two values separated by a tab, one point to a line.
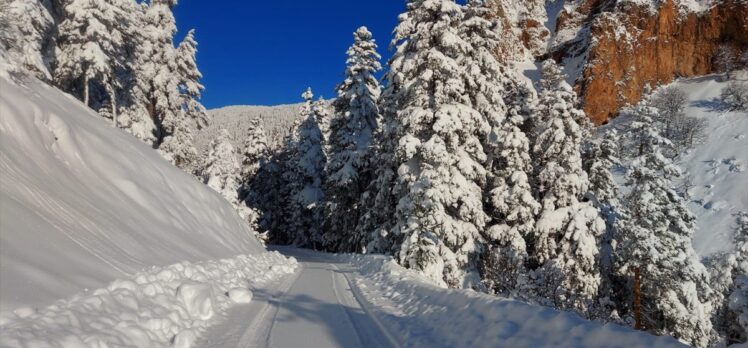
717	167
160	307
83	203
363	300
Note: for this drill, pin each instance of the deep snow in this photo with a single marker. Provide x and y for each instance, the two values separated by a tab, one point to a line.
83	203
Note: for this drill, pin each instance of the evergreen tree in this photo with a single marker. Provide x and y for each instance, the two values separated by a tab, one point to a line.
657	241
564	246
305	177
507	193
728	271
178	148
351	135
26	35
220	170
255	149
190	87
433	137
90	47
156	70
601	157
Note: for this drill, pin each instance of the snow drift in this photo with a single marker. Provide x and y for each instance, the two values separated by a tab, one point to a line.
83	203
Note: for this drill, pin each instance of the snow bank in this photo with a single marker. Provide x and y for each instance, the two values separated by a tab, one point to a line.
422	315
151	309
83	203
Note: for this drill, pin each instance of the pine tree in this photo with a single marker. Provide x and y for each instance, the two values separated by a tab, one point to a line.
601	156
728	272
507	193
255	148
190	87
564	246
657	241
433	137
90	47
133	114
178	148
305	177
156	70
351	135
220	170
26	35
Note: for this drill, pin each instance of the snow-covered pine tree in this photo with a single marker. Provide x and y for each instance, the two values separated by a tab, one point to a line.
221	168
434	136
305	177
156	68
190	87
352	130
601	156
26	35
738	306
90	50
254	155
132	103
727	271
657	241
507	193
564	247
324	116
178	148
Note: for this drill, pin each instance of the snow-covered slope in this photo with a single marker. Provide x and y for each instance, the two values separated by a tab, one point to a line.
717	167
83	203
277	121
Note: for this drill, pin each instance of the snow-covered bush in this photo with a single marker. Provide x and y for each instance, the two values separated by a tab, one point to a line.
735	96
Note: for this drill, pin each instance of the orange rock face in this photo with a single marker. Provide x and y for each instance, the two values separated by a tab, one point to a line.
620	47
636	47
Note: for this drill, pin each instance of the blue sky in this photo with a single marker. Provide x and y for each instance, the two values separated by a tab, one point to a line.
267	52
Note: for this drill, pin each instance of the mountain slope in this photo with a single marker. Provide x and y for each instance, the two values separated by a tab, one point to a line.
277	120
83	203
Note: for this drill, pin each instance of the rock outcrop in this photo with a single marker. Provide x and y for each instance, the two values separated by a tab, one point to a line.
613	49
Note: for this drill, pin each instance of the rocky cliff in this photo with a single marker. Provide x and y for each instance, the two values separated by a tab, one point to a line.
612	49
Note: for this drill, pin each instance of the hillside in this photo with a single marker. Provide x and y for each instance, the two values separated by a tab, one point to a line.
277	120
716	166
83	203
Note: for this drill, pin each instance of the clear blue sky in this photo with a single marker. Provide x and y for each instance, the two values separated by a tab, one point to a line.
267	52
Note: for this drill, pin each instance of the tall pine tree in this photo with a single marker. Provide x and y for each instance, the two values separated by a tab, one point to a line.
352	133
433	135
657	241
564	246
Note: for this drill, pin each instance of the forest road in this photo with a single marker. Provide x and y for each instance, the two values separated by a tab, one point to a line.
316	306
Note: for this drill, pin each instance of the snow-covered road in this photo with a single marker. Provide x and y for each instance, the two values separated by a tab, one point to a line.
317	306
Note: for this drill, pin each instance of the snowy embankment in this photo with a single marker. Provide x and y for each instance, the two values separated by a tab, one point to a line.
83	204
160	307
420	314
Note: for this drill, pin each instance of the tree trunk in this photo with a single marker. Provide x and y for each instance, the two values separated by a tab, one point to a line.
85	89
637	299
113	101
